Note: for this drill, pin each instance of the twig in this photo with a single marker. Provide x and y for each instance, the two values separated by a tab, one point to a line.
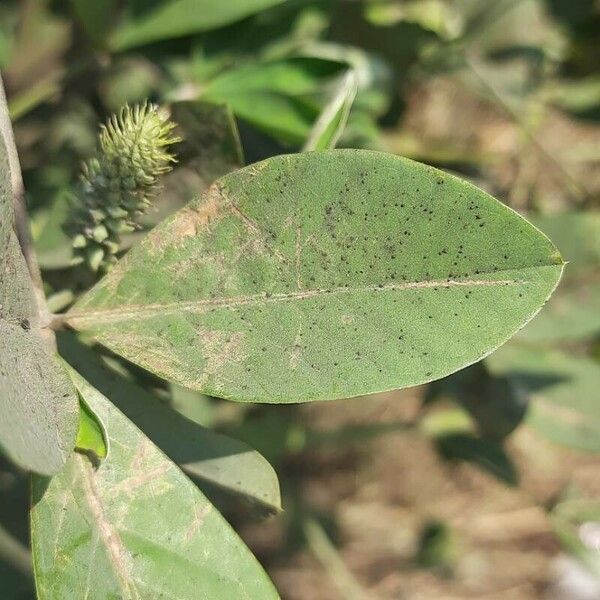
22	220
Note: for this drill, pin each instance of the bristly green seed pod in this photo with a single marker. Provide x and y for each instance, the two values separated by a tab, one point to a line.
119	183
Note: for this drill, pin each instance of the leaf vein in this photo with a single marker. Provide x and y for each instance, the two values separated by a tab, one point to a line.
117	553
143	311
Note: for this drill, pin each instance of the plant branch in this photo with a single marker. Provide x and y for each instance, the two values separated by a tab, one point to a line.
21	224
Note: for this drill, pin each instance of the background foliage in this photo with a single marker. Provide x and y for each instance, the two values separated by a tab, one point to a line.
480	485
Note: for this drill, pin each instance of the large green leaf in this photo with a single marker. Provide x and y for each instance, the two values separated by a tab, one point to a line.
17	300
204	455
175	18
6	207
38	405
134	528
561	391
323	275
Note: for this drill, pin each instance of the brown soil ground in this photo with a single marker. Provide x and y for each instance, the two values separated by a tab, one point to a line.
378	494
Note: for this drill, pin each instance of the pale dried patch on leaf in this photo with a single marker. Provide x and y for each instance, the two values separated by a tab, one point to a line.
210	338
219	350
112	283
251	247
200	515
189	221
254	228
63	499
119	557
256	168
149	354
296	354
216	261
215	349
143	450
298	256
132	484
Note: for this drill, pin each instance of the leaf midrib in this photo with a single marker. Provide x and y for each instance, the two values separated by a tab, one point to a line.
116	551
138	312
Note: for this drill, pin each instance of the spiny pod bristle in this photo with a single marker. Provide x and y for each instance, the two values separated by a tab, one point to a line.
119	183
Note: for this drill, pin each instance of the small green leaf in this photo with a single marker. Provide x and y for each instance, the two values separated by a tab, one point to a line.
91	437
134	527
323	275
331	123
283	117
580	96
324	550
175	18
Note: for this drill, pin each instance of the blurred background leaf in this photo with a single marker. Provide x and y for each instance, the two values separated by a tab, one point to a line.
561	390
150	22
